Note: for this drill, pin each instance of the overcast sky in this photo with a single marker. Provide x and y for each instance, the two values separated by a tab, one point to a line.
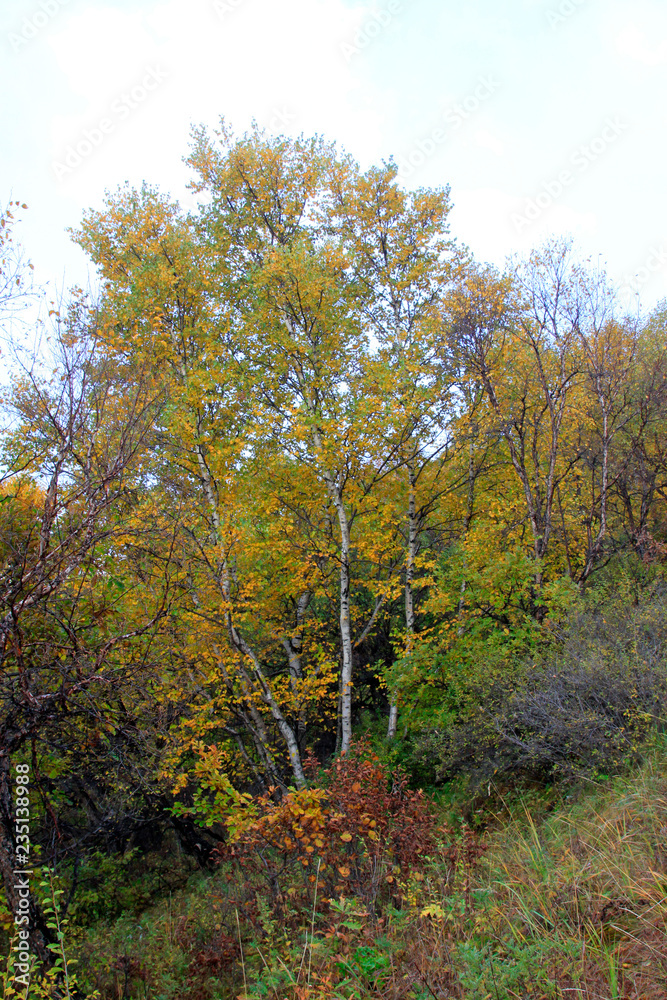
544	116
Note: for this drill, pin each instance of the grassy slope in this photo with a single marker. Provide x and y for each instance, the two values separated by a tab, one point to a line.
564	902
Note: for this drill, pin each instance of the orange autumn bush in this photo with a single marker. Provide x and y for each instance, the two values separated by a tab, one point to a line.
361	833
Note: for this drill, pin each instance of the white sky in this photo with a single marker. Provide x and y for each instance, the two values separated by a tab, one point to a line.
544	116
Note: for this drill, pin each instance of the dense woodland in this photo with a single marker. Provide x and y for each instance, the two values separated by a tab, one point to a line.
306	518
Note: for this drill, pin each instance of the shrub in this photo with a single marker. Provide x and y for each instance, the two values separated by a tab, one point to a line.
360	834
584	710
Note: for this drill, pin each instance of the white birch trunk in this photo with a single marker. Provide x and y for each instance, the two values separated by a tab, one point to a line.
240	644
409	592
345	627
335	495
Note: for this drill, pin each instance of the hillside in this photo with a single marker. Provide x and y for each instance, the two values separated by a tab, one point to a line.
556	896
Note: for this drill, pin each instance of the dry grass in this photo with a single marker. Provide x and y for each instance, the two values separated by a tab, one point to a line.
559	905
574	906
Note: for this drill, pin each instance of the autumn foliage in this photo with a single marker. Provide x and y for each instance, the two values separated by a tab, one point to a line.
307	470
361	832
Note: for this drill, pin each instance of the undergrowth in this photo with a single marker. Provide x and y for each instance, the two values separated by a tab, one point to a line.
554	902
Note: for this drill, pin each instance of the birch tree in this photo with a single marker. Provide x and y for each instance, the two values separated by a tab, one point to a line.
160	309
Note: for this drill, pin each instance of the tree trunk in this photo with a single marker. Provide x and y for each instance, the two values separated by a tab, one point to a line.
409	594
239	643
345	628
466	525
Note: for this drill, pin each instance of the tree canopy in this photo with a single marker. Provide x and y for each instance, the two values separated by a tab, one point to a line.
305	459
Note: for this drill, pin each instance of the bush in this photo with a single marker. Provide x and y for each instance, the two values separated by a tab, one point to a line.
585	709
358	835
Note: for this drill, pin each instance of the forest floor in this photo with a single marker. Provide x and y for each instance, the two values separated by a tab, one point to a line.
555	895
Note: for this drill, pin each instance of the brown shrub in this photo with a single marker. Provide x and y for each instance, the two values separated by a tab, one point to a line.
361	834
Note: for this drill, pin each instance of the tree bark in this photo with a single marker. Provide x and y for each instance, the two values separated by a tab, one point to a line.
239	643
345	627
410	556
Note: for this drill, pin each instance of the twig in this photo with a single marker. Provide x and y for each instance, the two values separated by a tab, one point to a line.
312	922
238	927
